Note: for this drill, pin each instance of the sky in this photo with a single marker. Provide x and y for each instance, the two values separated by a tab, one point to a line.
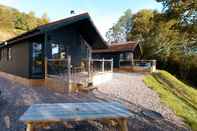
104	13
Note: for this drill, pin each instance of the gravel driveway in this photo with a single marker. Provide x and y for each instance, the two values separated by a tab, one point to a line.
17	98
130	87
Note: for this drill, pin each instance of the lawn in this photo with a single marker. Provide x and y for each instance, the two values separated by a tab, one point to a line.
181	98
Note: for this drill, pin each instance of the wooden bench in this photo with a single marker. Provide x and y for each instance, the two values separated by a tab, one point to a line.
46	114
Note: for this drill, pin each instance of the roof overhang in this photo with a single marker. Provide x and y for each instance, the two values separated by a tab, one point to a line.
129	46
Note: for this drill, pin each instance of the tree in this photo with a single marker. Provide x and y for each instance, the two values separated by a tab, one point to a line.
6	19
44	19
143	25
185	11
14	22
119	31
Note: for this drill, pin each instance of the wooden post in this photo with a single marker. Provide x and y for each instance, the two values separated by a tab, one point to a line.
69	74
112	65
103	65
123	123
89	69
132	60
45	67
45	55
89	66
153	65
30	127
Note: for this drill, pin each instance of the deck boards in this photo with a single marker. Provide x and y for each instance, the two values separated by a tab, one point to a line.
74	112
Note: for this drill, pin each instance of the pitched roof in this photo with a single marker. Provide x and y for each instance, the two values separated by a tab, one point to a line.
82	19
118	47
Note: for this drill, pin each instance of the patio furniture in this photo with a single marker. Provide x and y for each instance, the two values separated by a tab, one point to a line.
45	114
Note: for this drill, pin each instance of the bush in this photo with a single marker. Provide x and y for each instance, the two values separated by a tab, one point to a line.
184	67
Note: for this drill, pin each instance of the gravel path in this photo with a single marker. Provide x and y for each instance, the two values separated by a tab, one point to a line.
16	99
130	87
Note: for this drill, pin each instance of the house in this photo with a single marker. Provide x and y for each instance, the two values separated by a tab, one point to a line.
26	54
123	53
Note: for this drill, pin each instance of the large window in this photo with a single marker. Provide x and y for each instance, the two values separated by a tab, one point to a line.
37	59
85	51
58	51
126	59
127	56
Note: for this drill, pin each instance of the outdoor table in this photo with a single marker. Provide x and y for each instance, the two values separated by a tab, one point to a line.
67	112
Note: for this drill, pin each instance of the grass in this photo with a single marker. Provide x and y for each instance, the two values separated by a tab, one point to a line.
181	98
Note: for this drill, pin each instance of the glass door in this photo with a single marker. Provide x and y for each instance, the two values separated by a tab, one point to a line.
37	60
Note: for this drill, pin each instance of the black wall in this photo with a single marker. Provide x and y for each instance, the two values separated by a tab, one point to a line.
70	37
19	63
115	56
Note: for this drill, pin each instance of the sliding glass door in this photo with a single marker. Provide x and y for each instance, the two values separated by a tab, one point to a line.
37	66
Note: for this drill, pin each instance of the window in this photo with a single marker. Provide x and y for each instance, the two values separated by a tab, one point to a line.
85	49
127	56
9	53
58	51
37	58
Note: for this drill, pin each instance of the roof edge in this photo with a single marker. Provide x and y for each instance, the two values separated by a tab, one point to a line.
41	29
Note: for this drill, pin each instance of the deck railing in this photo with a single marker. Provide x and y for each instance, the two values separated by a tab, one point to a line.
62	69
57	67
145	64
102	65
139	64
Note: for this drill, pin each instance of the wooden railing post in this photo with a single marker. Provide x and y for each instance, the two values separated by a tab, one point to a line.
112	65
45	67
103	65
45	55
69	74
132	59
153	65
89	69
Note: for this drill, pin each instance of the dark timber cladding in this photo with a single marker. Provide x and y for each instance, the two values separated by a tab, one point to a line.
119	51
19	62
73	33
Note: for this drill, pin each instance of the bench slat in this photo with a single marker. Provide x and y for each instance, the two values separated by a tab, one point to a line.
74	111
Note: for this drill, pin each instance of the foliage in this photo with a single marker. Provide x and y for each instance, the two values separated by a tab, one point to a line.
183	66
15	22
185	12
169	36
142	27
181	98
119	32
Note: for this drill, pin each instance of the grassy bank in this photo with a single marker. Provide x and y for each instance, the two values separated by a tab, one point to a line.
181	98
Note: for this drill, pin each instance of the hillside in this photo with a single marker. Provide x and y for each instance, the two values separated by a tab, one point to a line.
14	22
181	98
